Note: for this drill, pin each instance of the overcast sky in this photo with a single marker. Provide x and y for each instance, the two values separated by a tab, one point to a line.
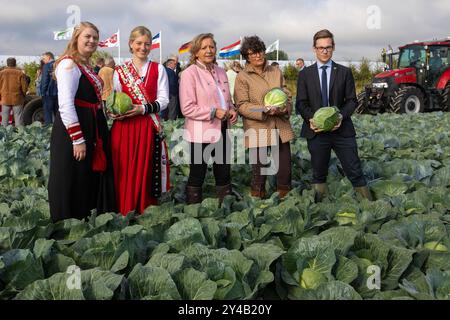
361	28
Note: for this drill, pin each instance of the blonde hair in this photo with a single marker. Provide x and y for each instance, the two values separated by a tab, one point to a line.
196	45
72	47
138	32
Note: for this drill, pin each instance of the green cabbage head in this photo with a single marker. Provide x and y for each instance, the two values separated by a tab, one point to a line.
276	98
326	118
436	246
118	103
311	279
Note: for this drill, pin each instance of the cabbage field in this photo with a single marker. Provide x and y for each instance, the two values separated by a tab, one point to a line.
397	247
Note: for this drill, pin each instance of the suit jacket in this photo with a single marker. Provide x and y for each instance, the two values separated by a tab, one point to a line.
342	95
173	82
48	84
13	87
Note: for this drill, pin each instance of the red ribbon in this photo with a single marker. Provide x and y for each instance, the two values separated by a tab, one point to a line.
99	156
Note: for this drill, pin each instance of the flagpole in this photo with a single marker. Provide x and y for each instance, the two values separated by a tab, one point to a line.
240	54
118	36
278	50
160	47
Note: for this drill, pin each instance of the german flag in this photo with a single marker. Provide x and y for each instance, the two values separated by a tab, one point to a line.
184	48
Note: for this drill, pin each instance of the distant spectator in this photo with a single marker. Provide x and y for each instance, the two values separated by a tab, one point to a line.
107	74
232	73
300	64
27	80
37	81
99	63
177	68
173	110
13	88
49	88
275	64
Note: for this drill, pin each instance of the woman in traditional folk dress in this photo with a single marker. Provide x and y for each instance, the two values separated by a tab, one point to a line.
81	176
140	157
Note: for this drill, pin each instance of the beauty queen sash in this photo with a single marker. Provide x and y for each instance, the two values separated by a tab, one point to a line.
131	79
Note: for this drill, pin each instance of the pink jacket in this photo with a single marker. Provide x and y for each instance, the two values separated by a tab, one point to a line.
198	95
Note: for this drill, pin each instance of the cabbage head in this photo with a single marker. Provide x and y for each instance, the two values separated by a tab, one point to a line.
276	98
311	279
436	246
118	103
326	118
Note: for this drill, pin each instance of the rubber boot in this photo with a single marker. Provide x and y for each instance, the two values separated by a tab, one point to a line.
321	190
364	192
283	191
193	195
222	192
258	184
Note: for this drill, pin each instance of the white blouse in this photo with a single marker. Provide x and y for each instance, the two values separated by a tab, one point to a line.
68	78
163	84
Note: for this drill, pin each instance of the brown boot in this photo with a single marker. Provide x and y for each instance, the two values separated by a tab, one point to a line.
223	191
321	190
364	192
258	184
283	191
258	193
193	195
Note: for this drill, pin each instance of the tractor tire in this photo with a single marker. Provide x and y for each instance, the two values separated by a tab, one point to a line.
361	108
33	111
446	98
28	98
407	100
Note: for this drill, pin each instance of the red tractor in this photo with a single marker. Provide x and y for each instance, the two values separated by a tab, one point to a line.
421	81
32	111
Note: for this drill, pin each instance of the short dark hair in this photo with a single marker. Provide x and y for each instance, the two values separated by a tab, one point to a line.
11	62
253	43
274	64
323	34
170	60
49	54
300	59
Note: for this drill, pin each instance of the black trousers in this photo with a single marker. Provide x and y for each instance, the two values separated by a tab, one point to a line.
346	150
219	153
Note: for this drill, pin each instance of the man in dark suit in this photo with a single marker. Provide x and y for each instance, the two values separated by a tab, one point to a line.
49	88
173	111
323	84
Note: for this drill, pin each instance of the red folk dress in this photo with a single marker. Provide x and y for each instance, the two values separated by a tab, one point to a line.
139	154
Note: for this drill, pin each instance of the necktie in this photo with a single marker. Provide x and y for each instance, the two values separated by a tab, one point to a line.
325	102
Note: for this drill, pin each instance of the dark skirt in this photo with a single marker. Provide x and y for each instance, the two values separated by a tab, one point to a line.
74	189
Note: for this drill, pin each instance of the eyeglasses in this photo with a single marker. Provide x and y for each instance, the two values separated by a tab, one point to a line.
324	49
254	54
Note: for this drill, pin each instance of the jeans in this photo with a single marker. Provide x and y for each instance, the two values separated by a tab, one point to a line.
50	104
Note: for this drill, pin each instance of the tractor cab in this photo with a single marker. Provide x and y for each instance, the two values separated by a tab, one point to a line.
418	81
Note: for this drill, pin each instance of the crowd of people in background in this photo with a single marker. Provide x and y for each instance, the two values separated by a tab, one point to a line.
45	85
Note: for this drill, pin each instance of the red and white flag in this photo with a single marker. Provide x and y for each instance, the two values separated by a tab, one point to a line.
156	41
111	42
